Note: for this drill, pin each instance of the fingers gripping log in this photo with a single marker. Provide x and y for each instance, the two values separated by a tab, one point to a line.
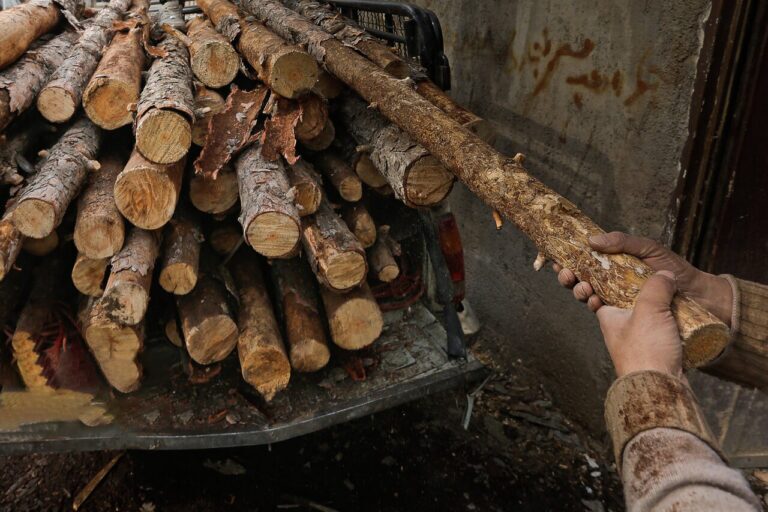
556	226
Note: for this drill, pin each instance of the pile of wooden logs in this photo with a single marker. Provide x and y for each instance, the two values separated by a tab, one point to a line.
188	127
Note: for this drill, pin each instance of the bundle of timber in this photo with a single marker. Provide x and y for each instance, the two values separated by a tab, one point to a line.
203	178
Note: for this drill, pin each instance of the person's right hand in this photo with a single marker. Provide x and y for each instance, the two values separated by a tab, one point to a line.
712	292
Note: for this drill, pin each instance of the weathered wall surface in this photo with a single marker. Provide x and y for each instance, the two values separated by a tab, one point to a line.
596	94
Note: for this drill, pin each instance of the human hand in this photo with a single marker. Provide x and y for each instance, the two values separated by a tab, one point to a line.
646	337
712	292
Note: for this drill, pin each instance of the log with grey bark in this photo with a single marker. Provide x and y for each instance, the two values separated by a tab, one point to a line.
42	203
268	215
62	95
99	226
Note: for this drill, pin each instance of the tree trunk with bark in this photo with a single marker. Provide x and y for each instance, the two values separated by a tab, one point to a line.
88	275
181	256
263	360
269	218
99	227
472	122
207	104
354	319
21	83
217	195
307	187
126	294
114	346
166	108
340	175
115	86
361	223
214	62
44	200
557	227
224	16
62	95
146	193
300	307
334	253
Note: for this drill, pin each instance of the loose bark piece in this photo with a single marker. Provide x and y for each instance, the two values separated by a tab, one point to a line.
214	62
61	96
556	226
116	84
88	275
225	239
381	259
328	86
146	193
263	361
334	253
322	141
224	16
416	177
354	318
22	24
307	187
230	130
44	200
314	115
300	306
209	331
286	69
11	241
99	227
340	174
114	346
360	223
207	104
279	135
217	195
269	218
126	294
21	83
41	246
165	112
181	257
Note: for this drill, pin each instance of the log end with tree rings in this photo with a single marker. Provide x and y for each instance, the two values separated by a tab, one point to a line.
163	136
88	275
215	63
293	74
322	141
314	115
354	319
57	104
146	194
214	195
35	218
428	182
345	270
178	278
368	172
308	197
106	102
99	236
127	303
351	189
266	369
115	347
273	234
213	339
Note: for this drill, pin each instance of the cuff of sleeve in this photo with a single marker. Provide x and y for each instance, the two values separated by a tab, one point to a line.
646	400
736	306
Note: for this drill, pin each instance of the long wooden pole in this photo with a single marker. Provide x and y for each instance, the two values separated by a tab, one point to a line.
557	227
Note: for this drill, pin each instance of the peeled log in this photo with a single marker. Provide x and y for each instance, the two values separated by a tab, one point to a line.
209	331
354	318
314	115
116	84
557	227
207	104
340	174
114	346
214	195
286	69
126	294
300	306
269	218
334	253
44	200
88	275
360	223
99	227
214	62
308	190
62	95
416	177
166	108
146	193
22	24
263	361
21	83
181	257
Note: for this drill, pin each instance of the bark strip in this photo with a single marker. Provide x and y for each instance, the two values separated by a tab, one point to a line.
224	16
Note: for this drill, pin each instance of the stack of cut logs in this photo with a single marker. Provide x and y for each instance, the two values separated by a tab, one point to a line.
187	127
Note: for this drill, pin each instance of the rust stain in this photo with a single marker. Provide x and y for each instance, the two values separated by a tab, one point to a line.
593	81
577	100
617	83
535	73
562	51
547	43
641	86
512	62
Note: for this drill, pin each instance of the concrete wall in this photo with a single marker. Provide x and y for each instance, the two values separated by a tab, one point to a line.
596	94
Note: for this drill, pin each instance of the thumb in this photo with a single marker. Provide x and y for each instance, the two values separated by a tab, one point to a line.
617	242
657	292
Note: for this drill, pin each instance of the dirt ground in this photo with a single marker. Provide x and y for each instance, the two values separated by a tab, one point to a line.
519	453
